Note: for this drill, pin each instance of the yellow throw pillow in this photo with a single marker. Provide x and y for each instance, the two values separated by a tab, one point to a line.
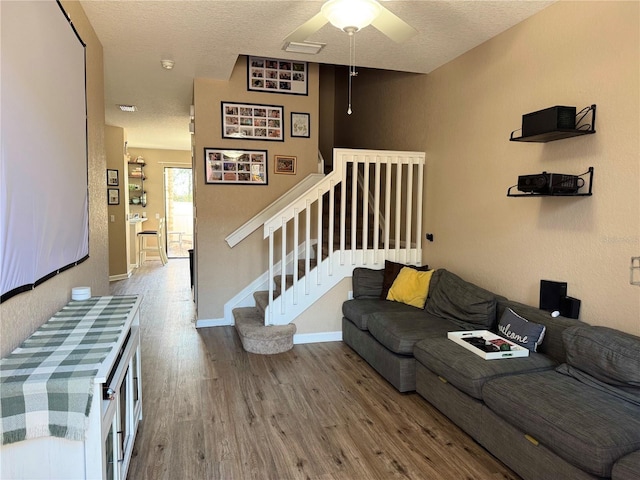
410	287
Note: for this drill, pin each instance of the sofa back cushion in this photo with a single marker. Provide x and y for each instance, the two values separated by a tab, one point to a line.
456	299
367	283
552	345
611	356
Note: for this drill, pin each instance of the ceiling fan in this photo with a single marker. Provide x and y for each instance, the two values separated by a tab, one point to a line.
352	16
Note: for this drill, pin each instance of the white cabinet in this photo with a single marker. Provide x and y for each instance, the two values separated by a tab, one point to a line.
116	409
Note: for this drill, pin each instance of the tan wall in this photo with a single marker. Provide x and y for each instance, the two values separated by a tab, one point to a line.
114	138
22	314
221	271
571	53
325	316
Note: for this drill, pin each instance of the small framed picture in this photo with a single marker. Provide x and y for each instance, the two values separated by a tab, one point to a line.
113	196
226	166
300	124
112	178
285	164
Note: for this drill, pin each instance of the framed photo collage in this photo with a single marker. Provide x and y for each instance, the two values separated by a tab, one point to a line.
248	121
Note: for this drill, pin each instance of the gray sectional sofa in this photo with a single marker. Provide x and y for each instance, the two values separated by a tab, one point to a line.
570	410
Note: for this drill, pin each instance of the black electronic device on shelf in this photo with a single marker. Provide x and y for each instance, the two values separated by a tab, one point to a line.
555	123
550	183
548	120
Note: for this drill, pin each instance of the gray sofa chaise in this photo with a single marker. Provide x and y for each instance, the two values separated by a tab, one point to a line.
570	410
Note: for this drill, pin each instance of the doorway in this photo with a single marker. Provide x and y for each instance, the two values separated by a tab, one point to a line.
178	194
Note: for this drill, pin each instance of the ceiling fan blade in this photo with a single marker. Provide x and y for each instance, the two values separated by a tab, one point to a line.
307	29
393	26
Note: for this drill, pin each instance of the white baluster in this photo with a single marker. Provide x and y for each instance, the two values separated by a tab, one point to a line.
331	224
296	244
387	207
376	213
398	208
307	247
283	265
269	320
419	212
354	210
365	211
409	212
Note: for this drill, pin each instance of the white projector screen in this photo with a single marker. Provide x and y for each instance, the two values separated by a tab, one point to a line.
44	211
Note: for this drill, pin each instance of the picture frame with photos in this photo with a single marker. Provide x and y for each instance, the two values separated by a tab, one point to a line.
285	164
300	124
245	121
113	196
274	75
112	177
227	166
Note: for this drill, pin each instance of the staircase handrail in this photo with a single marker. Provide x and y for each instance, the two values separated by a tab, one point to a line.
258	220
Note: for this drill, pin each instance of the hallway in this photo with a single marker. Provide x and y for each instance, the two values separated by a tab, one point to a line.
213	411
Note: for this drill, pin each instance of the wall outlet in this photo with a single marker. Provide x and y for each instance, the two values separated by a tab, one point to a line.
113	218
350	295
157	216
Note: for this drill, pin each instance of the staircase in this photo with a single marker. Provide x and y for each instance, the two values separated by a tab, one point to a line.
368	210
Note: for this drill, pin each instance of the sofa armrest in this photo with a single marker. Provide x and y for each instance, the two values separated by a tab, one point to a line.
367	283
627	468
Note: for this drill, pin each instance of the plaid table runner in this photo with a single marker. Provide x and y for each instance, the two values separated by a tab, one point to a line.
46	384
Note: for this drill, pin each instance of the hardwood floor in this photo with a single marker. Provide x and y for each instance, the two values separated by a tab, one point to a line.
213	411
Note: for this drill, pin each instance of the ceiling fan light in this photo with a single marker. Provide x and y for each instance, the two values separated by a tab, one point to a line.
351	15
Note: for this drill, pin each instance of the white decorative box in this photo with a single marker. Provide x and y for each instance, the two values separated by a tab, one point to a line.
516	350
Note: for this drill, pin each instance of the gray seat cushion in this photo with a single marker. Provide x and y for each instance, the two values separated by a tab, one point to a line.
588	428
467	371
399	332
359	311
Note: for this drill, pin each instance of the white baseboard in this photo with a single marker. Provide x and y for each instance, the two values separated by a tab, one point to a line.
213	322
122	276
317	337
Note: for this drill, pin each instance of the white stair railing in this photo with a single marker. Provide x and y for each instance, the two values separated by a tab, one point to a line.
390	194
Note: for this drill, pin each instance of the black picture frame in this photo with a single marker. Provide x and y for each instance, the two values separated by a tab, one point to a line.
247	121
113	196
275	75
300	125
228	166
112	178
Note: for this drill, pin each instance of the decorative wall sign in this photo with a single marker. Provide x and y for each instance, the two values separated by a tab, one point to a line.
113	196
234	167
277	76
112	178
252	122
285	164
300	124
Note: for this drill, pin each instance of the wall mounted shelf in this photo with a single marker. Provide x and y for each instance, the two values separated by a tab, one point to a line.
561	133
588	193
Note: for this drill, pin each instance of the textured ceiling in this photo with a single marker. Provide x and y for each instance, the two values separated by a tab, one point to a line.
205	37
